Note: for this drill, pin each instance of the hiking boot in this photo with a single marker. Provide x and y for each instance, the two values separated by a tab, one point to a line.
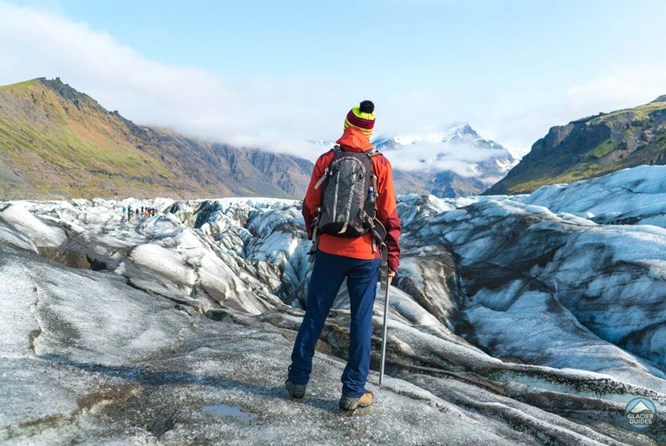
296	391
349	403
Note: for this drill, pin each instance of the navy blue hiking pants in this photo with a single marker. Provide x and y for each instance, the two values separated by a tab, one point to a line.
328	273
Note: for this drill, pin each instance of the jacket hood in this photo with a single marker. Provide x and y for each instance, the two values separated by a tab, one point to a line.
354	139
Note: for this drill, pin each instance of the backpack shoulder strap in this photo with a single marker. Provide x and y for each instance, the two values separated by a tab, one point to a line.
337	149
327	168
373	152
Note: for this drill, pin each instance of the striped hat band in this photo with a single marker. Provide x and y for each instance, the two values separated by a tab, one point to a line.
362	120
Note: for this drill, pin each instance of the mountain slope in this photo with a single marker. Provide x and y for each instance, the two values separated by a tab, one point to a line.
452	163
57	142
591	147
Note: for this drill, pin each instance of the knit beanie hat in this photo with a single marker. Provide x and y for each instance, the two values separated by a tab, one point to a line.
362	117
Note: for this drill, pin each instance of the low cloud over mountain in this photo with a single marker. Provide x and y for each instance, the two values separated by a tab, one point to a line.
453	162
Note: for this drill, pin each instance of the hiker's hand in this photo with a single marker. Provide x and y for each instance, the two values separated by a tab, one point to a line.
391	273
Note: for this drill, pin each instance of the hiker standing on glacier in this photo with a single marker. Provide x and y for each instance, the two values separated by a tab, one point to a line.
350	214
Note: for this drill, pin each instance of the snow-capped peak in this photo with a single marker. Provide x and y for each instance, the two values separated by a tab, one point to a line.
454	133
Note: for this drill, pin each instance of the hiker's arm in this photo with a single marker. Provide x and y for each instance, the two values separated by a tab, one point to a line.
387	212
313	196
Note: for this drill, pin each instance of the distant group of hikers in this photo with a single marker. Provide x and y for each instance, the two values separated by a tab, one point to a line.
129	212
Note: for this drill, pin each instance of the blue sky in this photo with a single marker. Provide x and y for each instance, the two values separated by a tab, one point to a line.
402	42
510	68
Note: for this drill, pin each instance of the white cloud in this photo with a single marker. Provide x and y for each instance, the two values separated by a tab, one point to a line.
622	89
264	113
458	158
280	114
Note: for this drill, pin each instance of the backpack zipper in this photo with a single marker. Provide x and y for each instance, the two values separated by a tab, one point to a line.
335	196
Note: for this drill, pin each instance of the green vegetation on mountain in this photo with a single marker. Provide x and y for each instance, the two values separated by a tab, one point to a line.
591	147
56	142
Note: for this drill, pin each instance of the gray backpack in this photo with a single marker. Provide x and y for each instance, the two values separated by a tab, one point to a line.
347	206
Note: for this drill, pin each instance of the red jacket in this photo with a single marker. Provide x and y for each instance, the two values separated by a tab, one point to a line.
354	139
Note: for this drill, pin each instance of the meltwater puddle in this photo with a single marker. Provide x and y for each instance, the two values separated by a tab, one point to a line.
224	410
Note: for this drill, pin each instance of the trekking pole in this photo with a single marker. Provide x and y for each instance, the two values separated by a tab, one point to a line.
386	308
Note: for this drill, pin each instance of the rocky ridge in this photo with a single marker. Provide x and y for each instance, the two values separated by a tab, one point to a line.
56	142
591	147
